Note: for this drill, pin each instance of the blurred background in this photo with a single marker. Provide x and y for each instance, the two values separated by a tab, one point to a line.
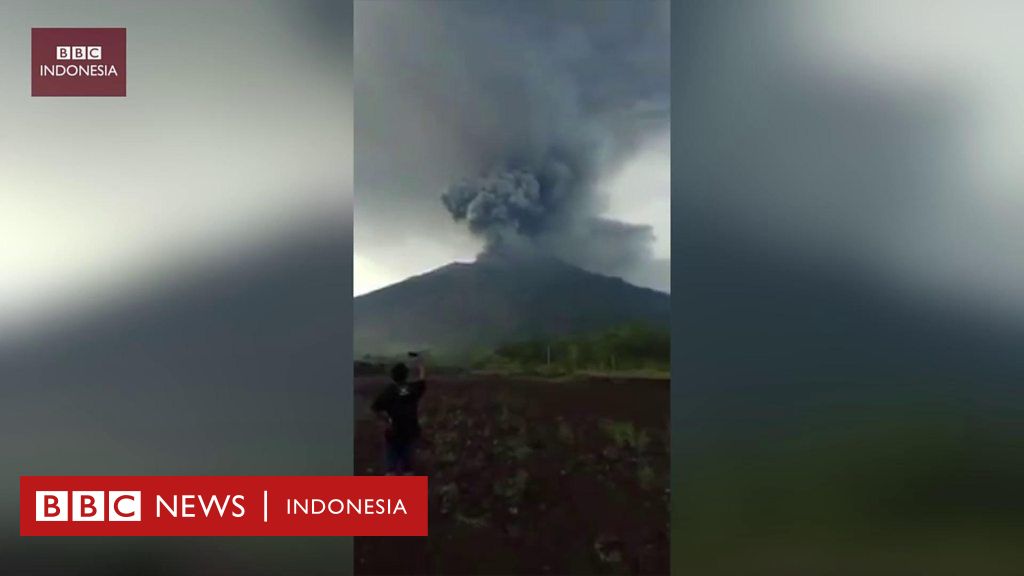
175	268
848	224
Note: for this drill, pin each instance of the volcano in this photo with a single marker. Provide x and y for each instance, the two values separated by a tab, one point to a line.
474	306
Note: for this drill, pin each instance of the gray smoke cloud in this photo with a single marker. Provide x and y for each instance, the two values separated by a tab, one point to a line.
545	209
513	112
508	202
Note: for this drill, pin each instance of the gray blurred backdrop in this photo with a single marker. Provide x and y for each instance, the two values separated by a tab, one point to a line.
175	268
848	231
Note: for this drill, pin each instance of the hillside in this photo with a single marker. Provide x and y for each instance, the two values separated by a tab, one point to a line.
466	307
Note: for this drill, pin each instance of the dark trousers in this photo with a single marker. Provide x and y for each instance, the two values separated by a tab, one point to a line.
398	456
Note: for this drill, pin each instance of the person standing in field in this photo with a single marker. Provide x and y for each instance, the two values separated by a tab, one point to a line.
398	407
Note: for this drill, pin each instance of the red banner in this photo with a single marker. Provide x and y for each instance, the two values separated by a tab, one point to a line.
224	505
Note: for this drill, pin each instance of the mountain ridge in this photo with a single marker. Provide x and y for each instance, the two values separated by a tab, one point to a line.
466	306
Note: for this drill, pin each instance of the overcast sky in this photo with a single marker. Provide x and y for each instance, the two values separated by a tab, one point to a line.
873	136
236	132
448	92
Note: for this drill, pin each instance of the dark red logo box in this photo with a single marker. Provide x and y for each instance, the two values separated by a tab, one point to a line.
263	500
47	60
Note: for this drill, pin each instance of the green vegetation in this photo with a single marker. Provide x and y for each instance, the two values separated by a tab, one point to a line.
628	348
625	436
630	448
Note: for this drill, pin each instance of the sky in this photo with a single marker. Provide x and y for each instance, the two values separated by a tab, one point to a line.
551	120
881	137
965	243
236	133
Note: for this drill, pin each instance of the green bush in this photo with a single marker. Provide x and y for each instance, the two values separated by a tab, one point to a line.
628	347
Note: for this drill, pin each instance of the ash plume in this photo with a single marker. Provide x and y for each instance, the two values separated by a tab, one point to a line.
515	111
549	203
543	211
510	205
508	202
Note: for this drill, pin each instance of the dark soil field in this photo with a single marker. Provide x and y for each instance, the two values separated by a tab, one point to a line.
531	476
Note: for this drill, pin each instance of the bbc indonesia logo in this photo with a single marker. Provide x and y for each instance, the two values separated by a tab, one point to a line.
78	61
88	506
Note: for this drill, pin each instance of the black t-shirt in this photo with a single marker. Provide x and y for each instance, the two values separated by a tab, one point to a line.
401	403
